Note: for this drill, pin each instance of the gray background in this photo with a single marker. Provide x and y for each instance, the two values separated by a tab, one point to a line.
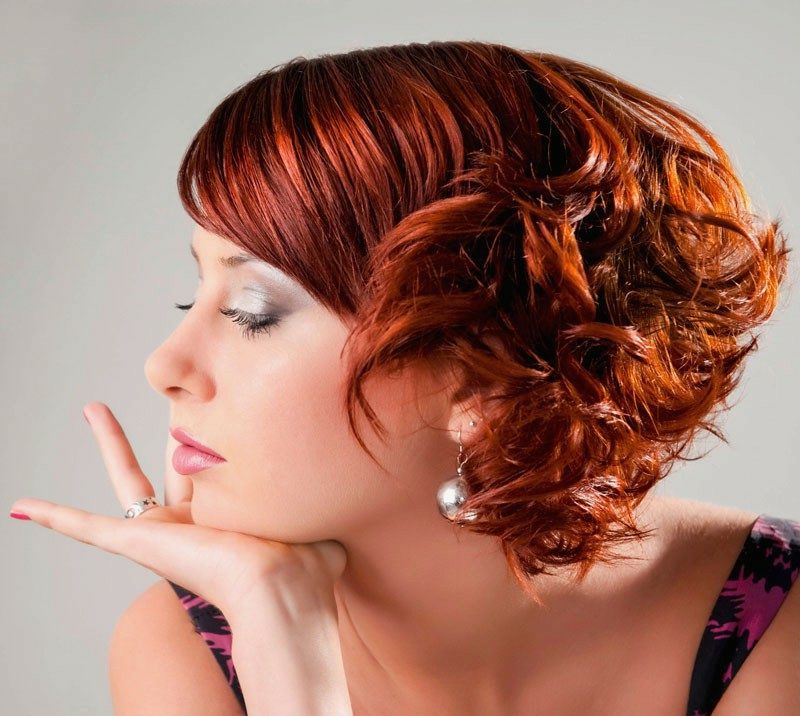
99	100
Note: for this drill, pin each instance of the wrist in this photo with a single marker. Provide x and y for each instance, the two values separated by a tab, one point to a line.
287	652
289	598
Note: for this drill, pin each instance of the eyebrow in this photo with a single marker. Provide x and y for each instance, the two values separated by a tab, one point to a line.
228	261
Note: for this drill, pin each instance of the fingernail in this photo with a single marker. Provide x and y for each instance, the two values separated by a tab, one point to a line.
85	416
19	515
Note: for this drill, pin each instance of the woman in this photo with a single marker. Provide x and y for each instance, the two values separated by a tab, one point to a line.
531	278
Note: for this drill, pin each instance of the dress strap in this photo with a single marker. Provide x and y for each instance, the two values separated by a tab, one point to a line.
765	569
210	623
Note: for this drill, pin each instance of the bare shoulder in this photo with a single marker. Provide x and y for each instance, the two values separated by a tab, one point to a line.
709	537
698	538
159	664
692	521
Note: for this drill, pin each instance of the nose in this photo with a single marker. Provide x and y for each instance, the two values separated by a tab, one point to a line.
180	365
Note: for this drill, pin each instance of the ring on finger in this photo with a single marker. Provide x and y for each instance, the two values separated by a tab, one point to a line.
136	508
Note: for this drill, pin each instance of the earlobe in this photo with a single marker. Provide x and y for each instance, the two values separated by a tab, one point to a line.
464	419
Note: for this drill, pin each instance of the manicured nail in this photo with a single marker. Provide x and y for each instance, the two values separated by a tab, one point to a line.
19	515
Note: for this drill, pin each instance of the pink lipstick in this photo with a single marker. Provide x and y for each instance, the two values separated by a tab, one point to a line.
192	456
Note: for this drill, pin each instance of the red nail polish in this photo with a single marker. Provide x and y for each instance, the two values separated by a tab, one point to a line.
19	515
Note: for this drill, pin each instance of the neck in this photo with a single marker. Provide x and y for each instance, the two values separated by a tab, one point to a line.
422	608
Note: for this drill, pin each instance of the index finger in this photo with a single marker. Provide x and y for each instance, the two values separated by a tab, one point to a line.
127	478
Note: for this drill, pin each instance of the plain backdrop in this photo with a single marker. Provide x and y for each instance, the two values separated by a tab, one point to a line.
99	101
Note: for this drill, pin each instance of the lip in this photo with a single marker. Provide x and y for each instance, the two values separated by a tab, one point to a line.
183	437
187	460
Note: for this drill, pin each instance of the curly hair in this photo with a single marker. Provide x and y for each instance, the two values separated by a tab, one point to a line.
578	254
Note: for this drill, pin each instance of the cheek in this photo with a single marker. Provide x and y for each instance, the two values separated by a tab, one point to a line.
296	472
293	418
300	475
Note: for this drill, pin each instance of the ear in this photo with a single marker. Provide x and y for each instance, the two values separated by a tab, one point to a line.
466	405
464	415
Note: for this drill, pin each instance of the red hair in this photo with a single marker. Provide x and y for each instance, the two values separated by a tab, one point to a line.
578	252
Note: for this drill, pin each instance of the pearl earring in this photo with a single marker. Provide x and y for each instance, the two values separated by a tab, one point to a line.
452	493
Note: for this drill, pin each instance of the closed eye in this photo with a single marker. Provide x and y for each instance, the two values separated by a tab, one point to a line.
253	323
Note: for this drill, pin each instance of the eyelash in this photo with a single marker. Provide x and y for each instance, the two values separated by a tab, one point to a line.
254	323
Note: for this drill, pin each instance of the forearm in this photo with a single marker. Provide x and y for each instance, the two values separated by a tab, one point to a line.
288	657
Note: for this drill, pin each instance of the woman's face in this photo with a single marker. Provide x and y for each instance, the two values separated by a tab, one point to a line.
272	404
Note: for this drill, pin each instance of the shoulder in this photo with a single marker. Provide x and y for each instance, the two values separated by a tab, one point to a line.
699	541
708	539
769	679
694	546
158	663
695	522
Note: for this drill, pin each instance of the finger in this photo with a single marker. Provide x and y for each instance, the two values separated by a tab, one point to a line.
128	480
177	487
177	552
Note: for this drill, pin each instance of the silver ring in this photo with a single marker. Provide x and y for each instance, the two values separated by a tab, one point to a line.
136	509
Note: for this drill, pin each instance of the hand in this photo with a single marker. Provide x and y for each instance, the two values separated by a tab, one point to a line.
221	566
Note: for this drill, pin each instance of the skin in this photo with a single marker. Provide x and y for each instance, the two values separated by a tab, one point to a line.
272	406
428	620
